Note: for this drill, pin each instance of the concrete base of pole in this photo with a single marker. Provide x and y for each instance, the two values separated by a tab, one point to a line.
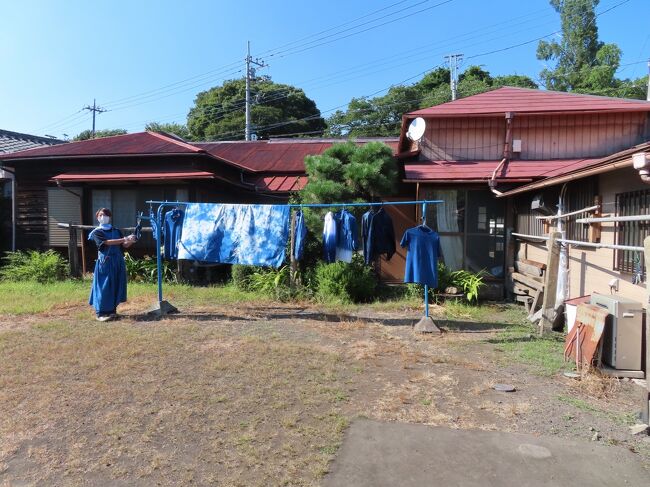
426	325
162	308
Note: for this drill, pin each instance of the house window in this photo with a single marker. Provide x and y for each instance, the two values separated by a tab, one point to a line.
580	194
631	233
471	228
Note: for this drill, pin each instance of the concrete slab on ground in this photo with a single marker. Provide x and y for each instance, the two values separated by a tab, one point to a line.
388	454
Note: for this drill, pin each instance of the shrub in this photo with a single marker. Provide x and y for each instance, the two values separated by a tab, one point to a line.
145	269
241	275
272	282
354	282
469	282
35	266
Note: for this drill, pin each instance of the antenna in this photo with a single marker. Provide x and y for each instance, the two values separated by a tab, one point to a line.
416	129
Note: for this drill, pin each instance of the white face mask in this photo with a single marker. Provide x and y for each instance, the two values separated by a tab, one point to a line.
103	219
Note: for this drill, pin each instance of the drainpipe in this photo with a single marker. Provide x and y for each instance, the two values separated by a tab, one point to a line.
507	154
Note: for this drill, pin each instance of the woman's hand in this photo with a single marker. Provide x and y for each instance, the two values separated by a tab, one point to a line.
128	241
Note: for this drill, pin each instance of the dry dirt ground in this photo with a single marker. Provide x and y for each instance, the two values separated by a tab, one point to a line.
246	396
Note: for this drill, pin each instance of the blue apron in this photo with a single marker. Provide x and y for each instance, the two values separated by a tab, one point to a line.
109	279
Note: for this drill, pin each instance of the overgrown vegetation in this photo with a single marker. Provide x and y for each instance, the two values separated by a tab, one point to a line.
342	282
146	270
461	281
33	265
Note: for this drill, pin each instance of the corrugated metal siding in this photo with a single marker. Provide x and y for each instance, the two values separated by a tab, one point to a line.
463	139
577	136
62	207
543	137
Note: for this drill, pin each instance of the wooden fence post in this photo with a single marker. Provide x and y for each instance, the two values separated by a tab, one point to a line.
73	256
550	283
646	394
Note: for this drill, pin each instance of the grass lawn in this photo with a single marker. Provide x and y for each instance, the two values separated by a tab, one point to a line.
183	402
239	390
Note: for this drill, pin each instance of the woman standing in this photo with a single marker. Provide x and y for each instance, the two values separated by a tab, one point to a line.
109	280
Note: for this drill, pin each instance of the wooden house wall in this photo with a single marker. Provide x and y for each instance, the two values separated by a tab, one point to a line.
543	137
33	180
590	269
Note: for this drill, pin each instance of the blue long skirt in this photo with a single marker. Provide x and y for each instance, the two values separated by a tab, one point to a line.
109	281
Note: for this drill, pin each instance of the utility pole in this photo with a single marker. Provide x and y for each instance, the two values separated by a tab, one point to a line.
648	95
95	109
250	76
454	61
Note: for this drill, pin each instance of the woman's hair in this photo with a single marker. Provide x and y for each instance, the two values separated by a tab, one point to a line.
105	211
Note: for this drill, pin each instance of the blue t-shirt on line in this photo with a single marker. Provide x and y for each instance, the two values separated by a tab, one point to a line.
423	248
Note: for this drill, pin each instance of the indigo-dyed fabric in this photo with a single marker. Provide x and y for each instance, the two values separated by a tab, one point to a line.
235	234
300	234
346	235
423	249
172	227
329	238
109	279
378	235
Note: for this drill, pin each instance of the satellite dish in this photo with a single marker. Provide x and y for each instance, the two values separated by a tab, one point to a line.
416	129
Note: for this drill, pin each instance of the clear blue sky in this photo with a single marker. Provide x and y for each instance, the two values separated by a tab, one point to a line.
58	56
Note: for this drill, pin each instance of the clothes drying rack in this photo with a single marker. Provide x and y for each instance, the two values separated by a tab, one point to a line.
425	324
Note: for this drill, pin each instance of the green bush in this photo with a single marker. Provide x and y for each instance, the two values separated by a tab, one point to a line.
469	282
354	282
32	265
241	276
272	282
145	269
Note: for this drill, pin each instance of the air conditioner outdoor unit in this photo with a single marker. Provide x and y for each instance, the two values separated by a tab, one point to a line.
623	331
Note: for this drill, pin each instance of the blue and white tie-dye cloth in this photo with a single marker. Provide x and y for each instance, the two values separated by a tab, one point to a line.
235	234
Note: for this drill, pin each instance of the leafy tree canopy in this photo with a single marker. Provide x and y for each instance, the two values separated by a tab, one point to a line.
382	115
584	64
277	109
88	134
171	128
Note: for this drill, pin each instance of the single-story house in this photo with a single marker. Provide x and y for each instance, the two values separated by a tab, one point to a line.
67	183
480	153
14	142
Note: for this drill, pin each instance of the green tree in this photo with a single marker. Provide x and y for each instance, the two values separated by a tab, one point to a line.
170	128
584	64
344	172
88	134
382	116
219	113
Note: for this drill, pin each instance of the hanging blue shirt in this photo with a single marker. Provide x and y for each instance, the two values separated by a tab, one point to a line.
300	234
172	228
235	234
378	235
423	249
329	238
109	279
346	235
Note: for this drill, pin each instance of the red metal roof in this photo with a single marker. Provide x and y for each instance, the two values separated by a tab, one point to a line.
141	143
280	184
86	176
274	155
528	101
482	170
584	168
